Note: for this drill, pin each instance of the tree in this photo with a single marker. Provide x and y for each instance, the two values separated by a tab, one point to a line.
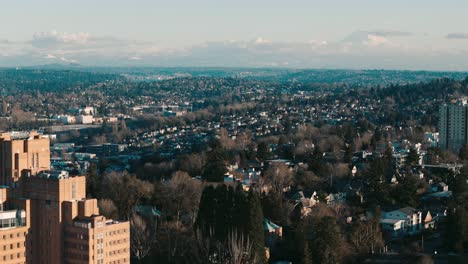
206	214
412	158
463	154
215	167
316	163
225	210
142	236
279	176
349	151
262	151
193	163
307	256
180	196
254	228
126	191
237	249
274	208
4	107
93	181
456	235
405	193
366	237
327	243
458	184
376	189
107	208
123	126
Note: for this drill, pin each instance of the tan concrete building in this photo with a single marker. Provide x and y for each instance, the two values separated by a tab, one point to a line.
22	154
56	223
15	235
90	238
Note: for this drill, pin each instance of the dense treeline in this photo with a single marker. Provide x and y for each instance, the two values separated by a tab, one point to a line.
13	81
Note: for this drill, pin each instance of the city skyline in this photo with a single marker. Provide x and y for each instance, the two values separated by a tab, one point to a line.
421	35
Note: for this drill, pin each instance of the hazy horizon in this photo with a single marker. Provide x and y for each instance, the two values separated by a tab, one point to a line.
337	34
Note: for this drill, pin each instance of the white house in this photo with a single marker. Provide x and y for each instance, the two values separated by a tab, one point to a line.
403	221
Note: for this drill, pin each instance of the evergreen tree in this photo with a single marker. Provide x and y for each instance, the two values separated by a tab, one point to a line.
349	151
405	193
458	184
93	181
327	243
222	207
215	167
456	235
254	228
273	207
376	190
224	211
388	155
306	256
376	137
240	210
206	214
262	151
316	163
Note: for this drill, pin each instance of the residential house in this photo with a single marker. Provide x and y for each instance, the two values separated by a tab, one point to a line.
403	221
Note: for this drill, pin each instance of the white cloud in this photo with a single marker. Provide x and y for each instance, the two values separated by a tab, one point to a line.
361	49
262	41
50	56
54	38
375	40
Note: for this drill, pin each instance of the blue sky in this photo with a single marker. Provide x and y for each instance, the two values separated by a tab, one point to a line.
412	34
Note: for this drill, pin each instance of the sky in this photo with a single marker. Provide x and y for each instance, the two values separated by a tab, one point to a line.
355	34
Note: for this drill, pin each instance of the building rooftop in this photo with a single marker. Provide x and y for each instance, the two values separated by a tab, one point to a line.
54	174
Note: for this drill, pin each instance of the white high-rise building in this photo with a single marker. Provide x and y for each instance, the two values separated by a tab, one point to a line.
453	125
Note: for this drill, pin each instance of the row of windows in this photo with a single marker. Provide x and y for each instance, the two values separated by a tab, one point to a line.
117	261
124	240
101	261
12	222
11	235
117	252
116	232
13	256
12	246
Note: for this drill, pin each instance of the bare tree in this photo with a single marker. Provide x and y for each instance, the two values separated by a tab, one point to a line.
237	249
142	236
126	191
181	196
279	176
107	208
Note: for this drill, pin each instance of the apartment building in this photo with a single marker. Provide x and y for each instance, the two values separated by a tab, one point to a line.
53	222
22	154
453	124
15	235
